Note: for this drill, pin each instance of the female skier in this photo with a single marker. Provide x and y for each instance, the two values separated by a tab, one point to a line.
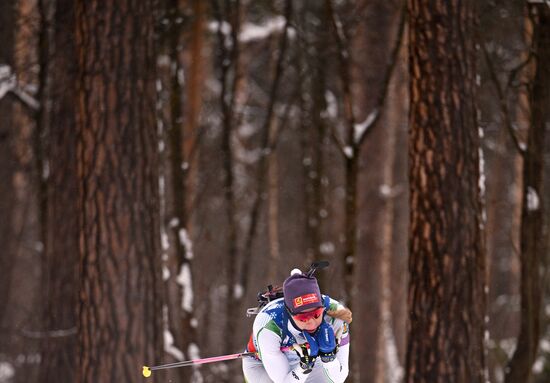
302	337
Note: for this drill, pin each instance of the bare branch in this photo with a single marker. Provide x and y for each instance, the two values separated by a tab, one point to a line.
376	113
343	56
502	101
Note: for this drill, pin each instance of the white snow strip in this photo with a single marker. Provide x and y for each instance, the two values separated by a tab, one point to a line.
253	32
193	351
508	346
360	129
8	83
169	338
170	348
348	151
162	185
165	243
539	364
482	181
327	248
533	202
181	77
247	130
225	27
522	146
7	80
185	241
50	334
6	372
184	280
332	104
394	369
165	273
238	291
250	32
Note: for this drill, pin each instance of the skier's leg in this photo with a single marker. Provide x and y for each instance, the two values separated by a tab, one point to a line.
254	371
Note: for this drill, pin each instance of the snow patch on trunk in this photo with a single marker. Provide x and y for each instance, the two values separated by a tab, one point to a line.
394	371
7	371
185	241
169	347
533	202
184	280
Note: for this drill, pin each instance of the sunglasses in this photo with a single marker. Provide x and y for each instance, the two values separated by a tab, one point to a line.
304	317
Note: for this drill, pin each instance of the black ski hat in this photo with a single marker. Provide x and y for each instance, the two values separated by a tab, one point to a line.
301	293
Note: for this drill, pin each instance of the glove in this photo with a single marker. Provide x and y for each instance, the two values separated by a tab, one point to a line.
326	341
307	356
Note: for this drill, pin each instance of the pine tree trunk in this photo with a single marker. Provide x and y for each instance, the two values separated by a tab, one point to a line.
7	158
533	236
60	283
179	286
120	311
447	265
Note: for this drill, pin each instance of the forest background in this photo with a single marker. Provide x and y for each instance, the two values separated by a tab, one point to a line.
163	161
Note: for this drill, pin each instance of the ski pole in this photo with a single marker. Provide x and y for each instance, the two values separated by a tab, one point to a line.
147	370
195	362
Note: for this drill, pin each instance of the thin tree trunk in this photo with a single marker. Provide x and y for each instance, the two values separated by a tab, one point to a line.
273	210
399	191
180	309
61	213
533	237
120	314
7	157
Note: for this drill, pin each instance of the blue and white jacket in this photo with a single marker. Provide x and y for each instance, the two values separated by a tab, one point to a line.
274	333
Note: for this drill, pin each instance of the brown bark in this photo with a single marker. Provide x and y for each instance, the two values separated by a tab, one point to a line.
22	320
60	283
230	74
120	311
372	52
313	132
7	157
398	98
178	316
532	235
447	265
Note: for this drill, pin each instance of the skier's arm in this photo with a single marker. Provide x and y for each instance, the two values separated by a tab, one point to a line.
275	362
337	370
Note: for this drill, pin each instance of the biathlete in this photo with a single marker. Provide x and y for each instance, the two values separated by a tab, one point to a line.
302	337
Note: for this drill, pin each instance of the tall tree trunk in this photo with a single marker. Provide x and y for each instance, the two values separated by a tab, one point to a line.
533	237
399	190
273	209
7	158
229	78
119	317
447	265
372	47
313	128
61	214
179	309
23	317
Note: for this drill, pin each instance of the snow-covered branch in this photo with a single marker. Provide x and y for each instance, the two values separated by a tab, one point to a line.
251	32
8	83
7	80
361	129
